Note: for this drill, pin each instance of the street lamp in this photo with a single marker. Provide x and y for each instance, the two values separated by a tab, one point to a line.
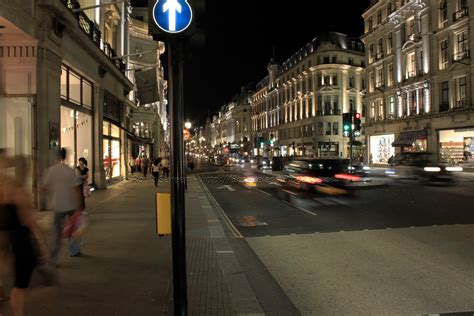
187	125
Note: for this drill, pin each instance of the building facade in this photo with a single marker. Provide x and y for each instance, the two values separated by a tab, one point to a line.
419	96
297	109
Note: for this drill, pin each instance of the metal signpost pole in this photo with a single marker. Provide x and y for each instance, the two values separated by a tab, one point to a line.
351	137
175	63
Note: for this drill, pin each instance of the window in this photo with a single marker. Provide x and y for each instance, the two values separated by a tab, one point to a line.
327	105
389	8
326	59
320	130
371	24
411	65
379	16
363	83
310	83
371	82
390	43
351	61
380	49
327	79
335	102
391	109
328	128
443	56
462	45
334	59
320	80
444	104
371	53
379	78
352	103
380	109
351	82
335	128
461	99
334	79
390	75
443	13
75	88
372	110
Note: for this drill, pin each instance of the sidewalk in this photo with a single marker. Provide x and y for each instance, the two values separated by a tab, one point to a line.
126	267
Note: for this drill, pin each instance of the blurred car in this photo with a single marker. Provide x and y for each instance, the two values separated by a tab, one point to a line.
327	176
418	166
264	163
244	160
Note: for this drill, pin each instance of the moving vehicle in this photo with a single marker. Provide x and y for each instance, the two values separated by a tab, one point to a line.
418	166
327	176
264	163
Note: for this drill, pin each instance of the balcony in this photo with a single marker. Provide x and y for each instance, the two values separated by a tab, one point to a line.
460	104
461	55
379	56
460	14
414	37
92	31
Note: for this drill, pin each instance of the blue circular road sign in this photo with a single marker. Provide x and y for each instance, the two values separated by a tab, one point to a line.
172	16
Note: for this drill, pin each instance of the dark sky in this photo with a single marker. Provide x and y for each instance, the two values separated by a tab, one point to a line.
240	36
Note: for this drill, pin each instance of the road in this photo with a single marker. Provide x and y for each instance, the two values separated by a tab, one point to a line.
400	249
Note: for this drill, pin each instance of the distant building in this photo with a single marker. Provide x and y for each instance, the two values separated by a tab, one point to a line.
419	74
297	109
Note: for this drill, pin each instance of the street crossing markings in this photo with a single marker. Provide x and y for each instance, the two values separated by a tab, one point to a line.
324	201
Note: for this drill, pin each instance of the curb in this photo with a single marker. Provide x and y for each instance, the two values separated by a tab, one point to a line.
242	294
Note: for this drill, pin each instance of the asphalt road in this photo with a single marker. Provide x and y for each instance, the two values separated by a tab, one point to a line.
401	249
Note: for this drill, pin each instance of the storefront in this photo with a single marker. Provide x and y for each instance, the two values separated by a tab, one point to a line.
456	145
328	149
112	137
381	149
76	117
16	133
412	141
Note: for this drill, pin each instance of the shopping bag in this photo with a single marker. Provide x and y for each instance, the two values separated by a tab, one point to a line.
71	224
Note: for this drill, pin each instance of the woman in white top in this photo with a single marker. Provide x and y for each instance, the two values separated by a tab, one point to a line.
155	171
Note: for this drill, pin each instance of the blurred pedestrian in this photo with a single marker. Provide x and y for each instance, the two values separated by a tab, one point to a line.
132	166
138	164
155	171
145	165
19	230
165	164
65	190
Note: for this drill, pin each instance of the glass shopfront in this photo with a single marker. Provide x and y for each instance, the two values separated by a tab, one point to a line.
456	145
381	148
16	117
111	150
328	149
76	118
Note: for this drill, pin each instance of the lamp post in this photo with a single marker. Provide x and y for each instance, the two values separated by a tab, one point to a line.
188	125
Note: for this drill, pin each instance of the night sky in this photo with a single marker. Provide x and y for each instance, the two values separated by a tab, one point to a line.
241	35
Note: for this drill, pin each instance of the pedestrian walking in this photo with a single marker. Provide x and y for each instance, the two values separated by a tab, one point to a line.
19	231
145	165
155	171
132	165
65	190
138	164
165	165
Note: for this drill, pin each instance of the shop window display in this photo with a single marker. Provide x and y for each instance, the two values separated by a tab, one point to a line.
457	145
381	148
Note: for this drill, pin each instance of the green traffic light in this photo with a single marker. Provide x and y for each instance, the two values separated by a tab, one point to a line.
346	127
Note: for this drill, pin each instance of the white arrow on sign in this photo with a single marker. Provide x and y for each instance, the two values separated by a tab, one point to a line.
228	187
172	6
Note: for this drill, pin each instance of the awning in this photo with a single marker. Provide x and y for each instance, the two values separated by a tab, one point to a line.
408	138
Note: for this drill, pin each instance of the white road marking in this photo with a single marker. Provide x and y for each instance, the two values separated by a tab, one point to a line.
224	251
293	193
228	187
306	211
324	201
261	191
338	201
274	183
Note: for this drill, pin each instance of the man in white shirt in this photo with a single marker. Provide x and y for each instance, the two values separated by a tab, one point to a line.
165	164
64	189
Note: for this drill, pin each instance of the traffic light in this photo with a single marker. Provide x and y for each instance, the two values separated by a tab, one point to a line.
357	124
347	124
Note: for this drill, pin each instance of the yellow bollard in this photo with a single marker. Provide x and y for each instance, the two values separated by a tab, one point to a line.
163	214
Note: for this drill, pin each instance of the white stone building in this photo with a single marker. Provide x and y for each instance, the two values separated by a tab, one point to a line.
419	96
297	109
